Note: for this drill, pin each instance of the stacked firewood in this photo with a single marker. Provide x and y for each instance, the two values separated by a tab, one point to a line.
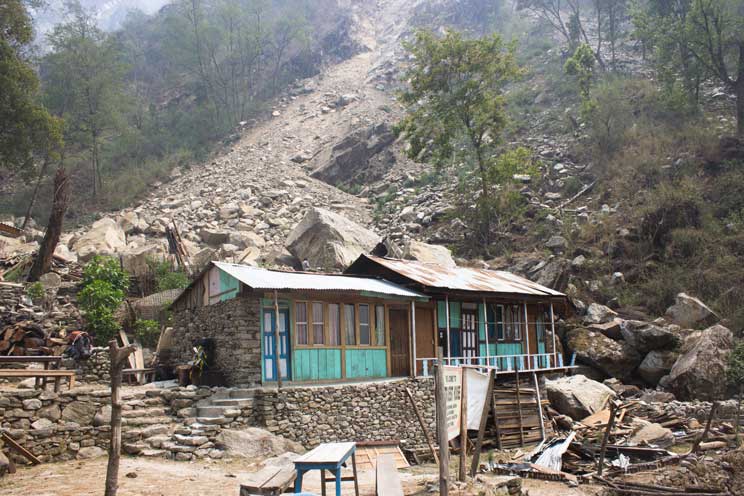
27	338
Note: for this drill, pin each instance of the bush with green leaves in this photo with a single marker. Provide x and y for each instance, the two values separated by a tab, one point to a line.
36	291
104	288
166	277
147	332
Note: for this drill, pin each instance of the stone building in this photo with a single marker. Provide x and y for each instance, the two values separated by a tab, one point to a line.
383	318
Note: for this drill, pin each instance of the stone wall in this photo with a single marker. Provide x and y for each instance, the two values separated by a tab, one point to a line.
350	412
96	369
235	326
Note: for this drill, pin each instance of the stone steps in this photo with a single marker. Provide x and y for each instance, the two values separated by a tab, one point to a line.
217	411
146	412
142	421
233	402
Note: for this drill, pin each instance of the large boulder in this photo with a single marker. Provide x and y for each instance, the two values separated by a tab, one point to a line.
615	358
599	314
328	240
646	337
105	237
611	329
700	372
349	159
656	365
255	444
690	312
423	252
214	237
577	396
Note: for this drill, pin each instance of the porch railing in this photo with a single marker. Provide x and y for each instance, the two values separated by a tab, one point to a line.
500	363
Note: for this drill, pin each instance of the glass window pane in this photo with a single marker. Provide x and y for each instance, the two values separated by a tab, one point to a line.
318	324
334	324
380	325
499	322
349	324
364	335
301	323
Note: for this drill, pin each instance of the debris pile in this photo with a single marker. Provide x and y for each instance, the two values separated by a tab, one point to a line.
627	444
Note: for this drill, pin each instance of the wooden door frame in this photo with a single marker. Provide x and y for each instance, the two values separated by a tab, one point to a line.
408	332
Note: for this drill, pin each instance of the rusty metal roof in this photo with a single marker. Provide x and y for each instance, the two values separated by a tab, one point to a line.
464	278
258	278
8	230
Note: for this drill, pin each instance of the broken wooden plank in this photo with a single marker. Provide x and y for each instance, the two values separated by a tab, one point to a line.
20	449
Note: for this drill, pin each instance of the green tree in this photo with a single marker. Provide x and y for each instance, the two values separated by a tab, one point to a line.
456	106
103	290
29	135
84	83
706	38
581	65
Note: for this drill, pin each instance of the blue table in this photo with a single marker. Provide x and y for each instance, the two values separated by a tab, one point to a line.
330	457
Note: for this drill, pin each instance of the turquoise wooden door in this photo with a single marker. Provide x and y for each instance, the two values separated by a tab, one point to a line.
269	341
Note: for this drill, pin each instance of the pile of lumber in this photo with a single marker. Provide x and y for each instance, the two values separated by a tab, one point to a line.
517	415
27	338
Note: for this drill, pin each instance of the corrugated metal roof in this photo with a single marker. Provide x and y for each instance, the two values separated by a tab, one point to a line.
464	278
257	278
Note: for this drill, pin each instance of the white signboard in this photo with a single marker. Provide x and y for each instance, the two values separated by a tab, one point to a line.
453	400
477	386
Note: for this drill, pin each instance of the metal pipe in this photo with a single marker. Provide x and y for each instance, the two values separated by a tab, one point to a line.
552	330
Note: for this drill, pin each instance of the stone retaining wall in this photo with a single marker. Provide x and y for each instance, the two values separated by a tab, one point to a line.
349	412
235	327
97	368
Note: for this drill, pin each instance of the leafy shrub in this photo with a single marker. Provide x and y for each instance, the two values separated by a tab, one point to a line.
671	206
36	291
166	277
104	285
147	332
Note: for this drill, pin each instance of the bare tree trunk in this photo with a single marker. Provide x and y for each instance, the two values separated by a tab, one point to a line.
35	195
43	261
118	360
740	105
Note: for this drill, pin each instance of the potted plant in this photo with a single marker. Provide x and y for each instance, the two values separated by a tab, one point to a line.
198	364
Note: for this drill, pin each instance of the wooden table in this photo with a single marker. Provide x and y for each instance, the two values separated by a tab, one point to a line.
46	360
330	457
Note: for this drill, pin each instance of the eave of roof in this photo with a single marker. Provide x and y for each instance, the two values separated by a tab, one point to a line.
466	279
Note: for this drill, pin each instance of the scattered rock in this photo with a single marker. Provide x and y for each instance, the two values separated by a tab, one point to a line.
90	452
616	359
423	252
255	444
599	314
646	337
105	237
649	433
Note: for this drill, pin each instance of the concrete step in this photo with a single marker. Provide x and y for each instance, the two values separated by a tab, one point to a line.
242	393
217	411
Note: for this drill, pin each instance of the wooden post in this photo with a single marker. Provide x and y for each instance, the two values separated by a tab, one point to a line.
485	322
277	342
539	406
519	411
552	330
118	359
423	426
449	339
702	437
441	409
463	428
610	425
413	336
527	335
482	426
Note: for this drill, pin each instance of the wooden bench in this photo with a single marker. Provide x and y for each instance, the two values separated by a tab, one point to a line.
270	481
387	480
137	373
57	375
46	360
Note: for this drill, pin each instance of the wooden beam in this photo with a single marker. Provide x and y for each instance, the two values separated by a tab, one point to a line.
423	426
440	402
277	342
608	430
539	406
20	449
487	406
519	411
463	427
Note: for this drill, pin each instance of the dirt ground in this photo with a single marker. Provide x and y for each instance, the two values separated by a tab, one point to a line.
158	477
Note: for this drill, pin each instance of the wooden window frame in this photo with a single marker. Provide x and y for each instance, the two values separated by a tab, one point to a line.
369	325
384	325
297	322
340	325
313	323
